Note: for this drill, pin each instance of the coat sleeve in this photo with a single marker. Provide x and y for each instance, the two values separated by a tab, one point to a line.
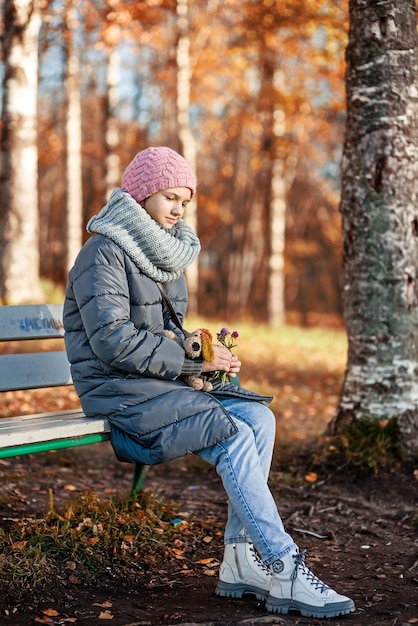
100	289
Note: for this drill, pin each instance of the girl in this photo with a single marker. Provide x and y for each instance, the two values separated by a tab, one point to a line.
124	368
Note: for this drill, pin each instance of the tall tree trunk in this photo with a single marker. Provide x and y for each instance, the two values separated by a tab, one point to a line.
380	217
277	225
74	211
284	163
19	220
242	259
187	140
113	169
275	129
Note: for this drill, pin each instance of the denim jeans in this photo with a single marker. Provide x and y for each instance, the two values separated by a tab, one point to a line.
243	463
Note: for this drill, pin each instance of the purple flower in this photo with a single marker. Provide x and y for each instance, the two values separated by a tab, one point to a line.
226	338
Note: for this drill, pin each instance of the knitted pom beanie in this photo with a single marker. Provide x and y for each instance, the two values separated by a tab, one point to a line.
155	169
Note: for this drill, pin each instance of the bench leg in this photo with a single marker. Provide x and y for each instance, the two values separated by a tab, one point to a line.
140	474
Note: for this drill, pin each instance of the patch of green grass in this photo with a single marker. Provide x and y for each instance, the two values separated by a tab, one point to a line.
367	445
89	539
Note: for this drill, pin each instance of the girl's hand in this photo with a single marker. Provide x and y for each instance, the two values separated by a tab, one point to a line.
235	366
224	360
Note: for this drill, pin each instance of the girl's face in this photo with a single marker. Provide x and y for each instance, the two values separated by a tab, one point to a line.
167	206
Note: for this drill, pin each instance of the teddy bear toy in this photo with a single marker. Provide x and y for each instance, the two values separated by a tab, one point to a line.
198	343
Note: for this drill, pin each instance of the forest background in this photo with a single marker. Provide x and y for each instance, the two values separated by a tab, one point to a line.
252	93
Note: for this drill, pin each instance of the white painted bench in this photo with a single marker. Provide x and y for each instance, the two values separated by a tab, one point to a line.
41	432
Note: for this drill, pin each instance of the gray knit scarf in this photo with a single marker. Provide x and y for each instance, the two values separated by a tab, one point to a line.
159	253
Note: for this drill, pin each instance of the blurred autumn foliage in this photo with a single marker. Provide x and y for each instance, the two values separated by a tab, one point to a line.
266	95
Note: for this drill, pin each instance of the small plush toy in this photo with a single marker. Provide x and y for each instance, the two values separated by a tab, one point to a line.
198	343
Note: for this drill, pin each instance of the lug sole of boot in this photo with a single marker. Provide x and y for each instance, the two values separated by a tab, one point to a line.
276	605
237	590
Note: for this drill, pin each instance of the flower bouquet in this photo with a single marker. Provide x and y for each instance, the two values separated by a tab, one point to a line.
226	338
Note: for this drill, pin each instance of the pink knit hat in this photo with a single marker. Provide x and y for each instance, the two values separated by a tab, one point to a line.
155	169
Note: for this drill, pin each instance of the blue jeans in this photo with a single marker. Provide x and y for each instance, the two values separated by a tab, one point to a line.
243	463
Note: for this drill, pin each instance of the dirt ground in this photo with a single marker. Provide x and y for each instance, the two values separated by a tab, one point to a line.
361	536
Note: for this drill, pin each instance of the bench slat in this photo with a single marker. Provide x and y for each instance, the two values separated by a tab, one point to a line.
37	321
30	434
28	429
34	370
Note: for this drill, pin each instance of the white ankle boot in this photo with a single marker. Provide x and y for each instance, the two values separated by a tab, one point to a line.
296	588
243	572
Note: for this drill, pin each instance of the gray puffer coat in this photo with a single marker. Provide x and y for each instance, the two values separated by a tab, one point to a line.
123	368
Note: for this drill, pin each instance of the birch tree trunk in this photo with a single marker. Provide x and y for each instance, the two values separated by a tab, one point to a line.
74	211
187	140
277	225
19	221
276	310
380	217
246	246
113	169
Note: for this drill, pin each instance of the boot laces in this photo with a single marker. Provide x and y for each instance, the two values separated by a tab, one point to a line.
310	576
258	561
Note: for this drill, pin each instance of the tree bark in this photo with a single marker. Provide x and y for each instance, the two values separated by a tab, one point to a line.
113	168
74	209
276	313
187	140
19	221
380	218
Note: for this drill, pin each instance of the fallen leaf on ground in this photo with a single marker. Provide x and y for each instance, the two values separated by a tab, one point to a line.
186	572
209	572
205	561
106	615
74	579
178	554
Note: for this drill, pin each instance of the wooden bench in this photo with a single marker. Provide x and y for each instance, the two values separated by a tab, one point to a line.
41	432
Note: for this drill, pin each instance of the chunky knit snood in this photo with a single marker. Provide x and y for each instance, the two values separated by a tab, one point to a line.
161	254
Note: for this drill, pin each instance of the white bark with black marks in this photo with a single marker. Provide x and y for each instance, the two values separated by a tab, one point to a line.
380	217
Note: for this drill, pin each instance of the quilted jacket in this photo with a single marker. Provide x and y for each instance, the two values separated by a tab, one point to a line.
123	368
